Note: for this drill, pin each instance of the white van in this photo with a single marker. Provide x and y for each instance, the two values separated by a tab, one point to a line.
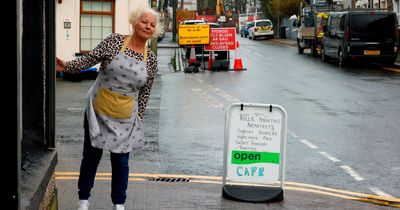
261	28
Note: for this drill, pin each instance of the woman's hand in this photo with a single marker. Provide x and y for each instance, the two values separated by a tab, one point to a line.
60	65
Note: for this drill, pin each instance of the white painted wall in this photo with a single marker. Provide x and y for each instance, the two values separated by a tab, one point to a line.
67	40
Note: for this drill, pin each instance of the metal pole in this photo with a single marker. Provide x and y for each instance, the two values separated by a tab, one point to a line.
153	43
174	20
14	194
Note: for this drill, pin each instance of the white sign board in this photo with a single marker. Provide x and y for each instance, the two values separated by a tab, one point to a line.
255	139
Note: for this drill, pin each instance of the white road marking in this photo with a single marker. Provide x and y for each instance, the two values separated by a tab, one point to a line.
312	146
223	94
292	134
209	99
352	173
156	107
330	157
379	192
259	55
75	109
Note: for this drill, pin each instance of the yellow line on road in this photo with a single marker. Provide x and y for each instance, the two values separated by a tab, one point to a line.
392	69
369	198
146	175
364	199
345	192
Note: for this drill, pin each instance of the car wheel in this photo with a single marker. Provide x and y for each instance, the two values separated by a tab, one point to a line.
300	49
314	51
323	56
342	60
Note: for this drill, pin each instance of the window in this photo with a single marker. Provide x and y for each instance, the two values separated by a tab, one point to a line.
97	22
335	22
263	23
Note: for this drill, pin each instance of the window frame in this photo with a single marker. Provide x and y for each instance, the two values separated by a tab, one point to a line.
83	12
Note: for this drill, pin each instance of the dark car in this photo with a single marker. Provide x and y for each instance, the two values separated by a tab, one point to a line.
368	36
244	29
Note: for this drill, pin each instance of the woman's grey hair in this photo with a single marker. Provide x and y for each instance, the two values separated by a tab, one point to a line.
139	11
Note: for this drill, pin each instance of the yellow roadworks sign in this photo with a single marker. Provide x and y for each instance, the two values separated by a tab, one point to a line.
194	34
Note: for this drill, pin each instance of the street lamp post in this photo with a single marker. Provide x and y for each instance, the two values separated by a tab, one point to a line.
153	43
174	20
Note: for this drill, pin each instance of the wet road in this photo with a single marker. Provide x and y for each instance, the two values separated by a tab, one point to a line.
343	123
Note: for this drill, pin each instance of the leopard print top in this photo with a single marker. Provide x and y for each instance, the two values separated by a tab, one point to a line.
105	53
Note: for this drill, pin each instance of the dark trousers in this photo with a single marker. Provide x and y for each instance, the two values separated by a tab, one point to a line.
89	164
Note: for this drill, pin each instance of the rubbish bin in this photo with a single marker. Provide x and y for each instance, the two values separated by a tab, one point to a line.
282	32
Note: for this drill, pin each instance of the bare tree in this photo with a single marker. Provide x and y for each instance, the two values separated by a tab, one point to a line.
353	3
389	5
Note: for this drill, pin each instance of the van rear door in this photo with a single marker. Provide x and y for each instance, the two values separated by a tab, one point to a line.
371	33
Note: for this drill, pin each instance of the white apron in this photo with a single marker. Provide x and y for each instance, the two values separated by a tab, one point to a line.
112	104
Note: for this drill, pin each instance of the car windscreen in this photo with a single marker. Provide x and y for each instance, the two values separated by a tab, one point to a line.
370	27
214	26
263	23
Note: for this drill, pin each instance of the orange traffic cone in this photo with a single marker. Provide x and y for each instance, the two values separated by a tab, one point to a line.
192	58
238	65
211	59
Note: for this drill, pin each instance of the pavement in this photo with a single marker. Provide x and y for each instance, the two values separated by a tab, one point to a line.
182	191
291	42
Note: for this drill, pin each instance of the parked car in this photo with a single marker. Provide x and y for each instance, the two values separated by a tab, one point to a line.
214	25
188	22
360	36
261	28
244	29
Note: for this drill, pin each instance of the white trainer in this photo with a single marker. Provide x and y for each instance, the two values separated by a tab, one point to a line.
119	207
83	205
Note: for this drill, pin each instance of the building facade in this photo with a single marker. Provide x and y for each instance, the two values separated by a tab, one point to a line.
82	24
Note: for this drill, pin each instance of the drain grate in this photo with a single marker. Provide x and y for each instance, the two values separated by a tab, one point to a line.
169	179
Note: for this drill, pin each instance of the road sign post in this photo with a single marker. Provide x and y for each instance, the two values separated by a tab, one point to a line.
254	152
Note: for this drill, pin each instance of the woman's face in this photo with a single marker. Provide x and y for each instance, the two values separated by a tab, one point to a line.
146	26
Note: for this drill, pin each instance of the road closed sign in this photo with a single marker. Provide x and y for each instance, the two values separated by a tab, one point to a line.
222	39
255	139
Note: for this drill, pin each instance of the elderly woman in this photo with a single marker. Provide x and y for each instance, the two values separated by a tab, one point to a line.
115	103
